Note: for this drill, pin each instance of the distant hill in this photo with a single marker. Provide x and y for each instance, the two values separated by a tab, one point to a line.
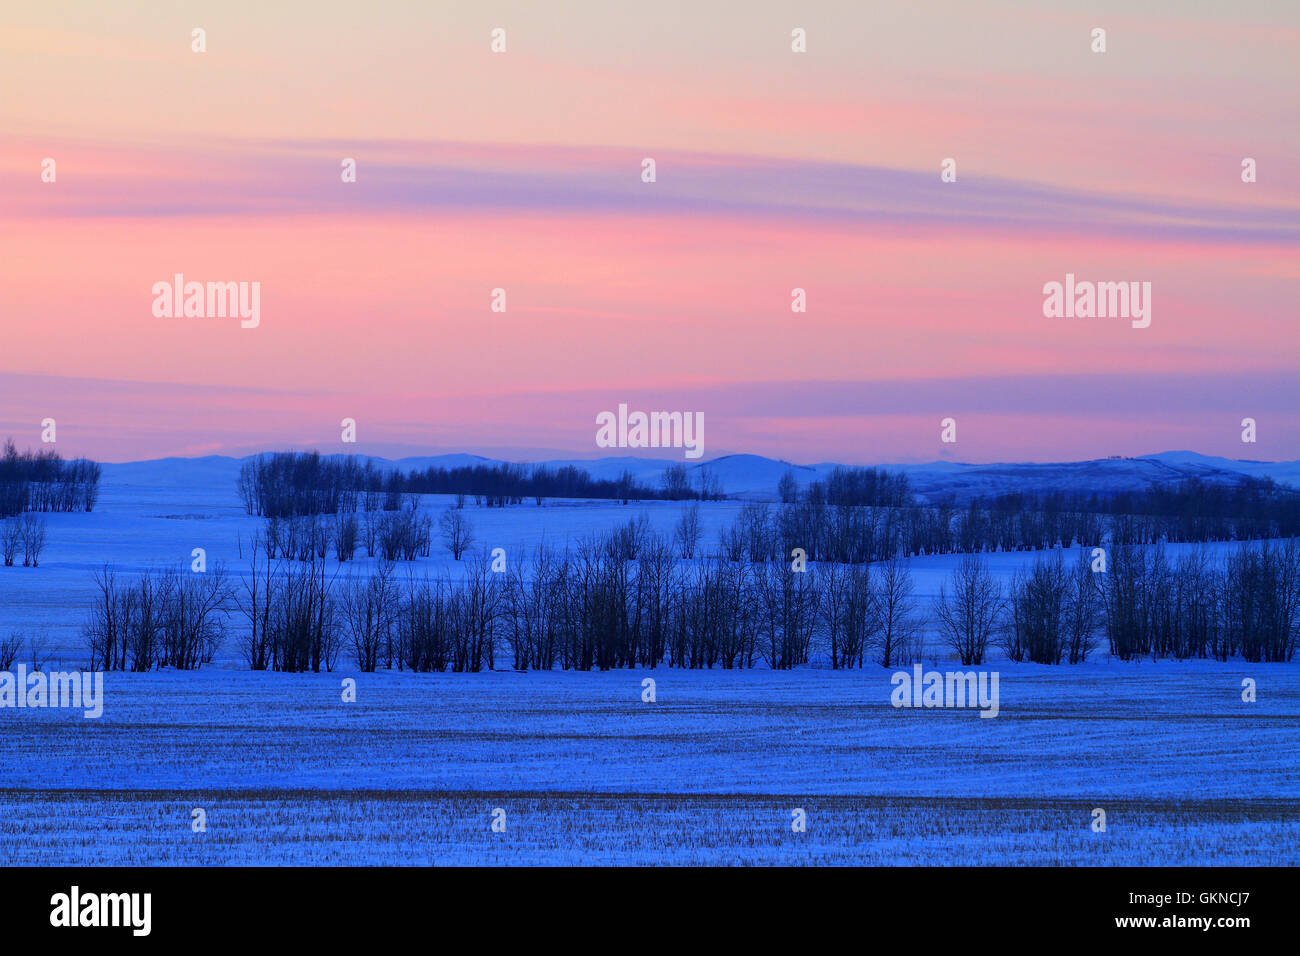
756	477
1105	475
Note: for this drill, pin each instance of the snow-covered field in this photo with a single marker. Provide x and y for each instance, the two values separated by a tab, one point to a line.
586	772
410	772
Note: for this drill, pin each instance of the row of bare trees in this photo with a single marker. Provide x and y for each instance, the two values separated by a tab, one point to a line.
400	535
302	616
1054	610
288	484
168	618
290	612
31	649
625	599
865	516
1244	604
619	599
44	481
1247	604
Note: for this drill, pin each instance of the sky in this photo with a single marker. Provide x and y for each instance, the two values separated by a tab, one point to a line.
775	170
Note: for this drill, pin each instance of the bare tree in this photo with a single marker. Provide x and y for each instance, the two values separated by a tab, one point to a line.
1083	609
109	620
291	612
1125	593
127	623
848	612
537	609
345	536
970	612
676	482
33	530
627	486
195	616
369	607
37	656
305	633
10	648
481	601
897	626
708	484
788	488
457	532
11	537
688	531
789	612
257	603
424	626
1261	601
1038	612
371	531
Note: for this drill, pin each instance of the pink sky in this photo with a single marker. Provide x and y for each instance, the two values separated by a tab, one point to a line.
776	170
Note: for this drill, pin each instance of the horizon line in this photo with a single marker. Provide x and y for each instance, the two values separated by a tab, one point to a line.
563	456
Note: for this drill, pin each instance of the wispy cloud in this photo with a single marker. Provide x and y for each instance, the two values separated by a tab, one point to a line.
265	179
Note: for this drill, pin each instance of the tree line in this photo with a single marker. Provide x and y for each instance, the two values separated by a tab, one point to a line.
852	516
625	599
1187	510
169	618
289	484
852	529
43	481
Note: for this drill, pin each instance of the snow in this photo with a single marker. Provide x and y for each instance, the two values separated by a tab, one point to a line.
409	773
709	773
